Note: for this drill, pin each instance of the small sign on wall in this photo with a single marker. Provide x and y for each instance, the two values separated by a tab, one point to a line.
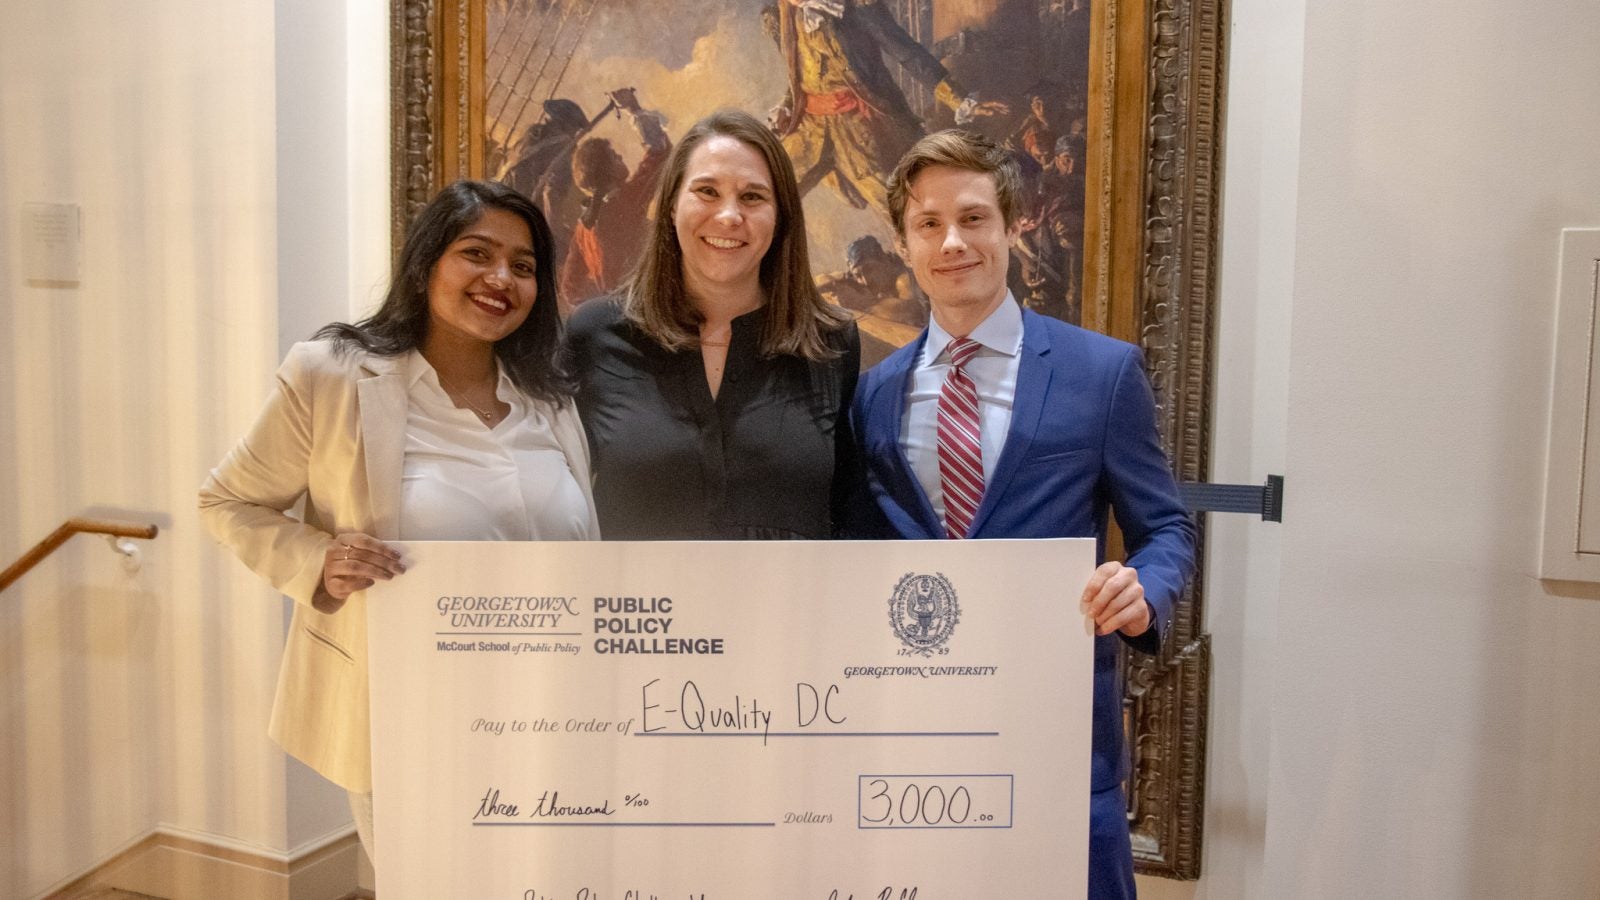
1571	544
52	244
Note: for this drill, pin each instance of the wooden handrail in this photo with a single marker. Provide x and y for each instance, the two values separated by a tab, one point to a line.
60	536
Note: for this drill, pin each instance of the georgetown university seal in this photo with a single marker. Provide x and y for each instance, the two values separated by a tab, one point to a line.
924	612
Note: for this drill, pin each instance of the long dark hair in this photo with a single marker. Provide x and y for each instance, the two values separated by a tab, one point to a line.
655	298
530	354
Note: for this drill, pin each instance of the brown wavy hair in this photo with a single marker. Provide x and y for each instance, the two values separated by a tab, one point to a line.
957	149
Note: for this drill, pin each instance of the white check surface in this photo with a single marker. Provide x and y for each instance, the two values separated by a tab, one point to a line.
820	754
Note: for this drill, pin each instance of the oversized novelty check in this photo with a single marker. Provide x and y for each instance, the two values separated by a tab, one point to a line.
732	721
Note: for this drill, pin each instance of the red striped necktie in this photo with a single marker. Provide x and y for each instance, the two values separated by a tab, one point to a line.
960	450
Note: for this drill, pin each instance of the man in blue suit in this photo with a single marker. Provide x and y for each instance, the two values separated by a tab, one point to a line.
1063	430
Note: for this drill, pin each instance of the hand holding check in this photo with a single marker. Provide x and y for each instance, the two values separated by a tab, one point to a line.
1114	599
355	561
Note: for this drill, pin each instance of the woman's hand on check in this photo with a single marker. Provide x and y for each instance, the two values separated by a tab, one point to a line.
355	562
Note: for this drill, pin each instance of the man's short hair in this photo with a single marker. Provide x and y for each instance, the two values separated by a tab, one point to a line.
959	149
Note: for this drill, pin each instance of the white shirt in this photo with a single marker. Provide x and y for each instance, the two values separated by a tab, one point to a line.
463	481
993	371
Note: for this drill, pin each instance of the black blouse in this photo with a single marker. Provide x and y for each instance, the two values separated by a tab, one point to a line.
770	457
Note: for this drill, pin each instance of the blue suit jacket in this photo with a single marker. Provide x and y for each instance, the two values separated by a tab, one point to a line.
1083	440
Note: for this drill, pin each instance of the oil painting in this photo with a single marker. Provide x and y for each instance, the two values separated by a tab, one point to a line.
583	99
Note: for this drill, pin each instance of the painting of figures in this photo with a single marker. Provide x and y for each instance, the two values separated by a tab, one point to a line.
582	100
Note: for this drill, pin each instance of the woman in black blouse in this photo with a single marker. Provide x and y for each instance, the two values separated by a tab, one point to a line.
715	386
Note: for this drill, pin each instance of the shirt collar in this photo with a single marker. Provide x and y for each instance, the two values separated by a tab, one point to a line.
417	367
1000	332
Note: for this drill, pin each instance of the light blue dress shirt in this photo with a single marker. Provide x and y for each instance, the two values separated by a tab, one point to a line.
994	373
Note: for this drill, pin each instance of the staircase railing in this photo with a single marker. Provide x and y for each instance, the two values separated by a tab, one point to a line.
61	535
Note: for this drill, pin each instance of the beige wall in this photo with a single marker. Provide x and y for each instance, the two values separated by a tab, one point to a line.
1434	723
135	701
1400	709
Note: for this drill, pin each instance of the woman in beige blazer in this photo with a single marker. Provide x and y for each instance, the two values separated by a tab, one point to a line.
449	404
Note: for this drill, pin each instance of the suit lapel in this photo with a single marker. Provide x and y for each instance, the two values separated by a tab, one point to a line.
1027	406
889	408
382	398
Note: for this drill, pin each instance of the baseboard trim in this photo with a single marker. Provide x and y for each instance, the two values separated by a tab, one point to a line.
183	865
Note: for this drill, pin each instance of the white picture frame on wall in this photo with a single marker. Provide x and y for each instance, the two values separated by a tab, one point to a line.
1570	549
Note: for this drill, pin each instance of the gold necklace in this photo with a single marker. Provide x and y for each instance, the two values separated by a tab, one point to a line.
486	414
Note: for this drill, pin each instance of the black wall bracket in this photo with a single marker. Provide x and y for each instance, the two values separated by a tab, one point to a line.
1266	499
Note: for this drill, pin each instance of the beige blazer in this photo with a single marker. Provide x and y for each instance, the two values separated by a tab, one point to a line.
334	433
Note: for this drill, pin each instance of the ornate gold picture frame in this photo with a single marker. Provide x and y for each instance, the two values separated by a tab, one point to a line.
1150	160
